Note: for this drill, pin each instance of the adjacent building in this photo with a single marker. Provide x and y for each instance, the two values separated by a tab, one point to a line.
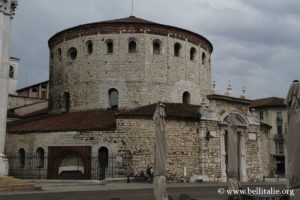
39	90
272	111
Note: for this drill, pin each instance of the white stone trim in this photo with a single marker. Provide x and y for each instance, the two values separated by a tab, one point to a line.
223	157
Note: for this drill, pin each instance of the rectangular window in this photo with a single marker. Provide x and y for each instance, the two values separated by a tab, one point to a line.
278	117
44	95
261	115
279	129
279	148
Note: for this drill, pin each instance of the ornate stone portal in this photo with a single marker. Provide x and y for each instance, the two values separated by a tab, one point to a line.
7	10
239	123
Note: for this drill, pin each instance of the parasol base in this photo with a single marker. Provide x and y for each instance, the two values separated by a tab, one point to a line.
3	165
160	191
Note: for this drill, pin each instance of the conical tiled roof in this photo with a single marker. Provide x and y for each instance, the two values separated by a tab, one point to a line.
136	24
130	19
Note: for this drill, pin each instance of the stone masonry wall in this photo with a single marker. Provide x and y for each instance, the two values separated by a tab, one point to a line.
134	139
183	145
253	155
210	157
17	101
140	78
267	170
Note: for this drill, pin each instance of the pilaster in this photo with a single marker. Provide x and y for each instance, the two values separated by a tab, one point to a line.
7	10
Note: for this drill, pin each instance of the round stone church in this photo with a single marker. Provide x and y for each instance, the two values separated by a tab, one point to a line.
131	61
105	80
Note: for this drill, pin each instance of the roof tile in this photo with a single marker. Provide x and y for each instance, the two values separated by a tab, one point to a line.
270	101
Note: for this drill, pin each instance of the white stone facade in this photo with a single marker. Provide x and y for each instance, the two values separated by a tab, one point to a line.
7	9
13	74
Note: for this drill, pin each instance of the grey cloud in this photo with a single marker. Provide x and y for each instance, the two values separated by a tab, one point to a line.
256	43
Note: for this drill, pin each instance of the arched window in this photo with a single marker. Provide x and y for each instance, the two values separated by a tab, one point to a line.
21	158
203	58
103	157
113	98
59	54
177	48
132	46
156	47
72	54
89	47
192	53
109	46
40	155
67	101
186	98
11	72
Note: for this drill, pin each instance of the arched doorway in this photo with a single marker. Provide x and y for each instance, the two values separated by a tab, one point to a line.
113	98
69	162
186	98
103	162
67	101
233	154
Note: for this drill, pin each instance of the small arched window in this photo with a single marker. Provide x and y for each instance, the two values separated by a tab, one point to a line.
11	72
109	46
89	47
177	48
72	54
67	101
113	96
40	155
21	155
132	46
186	98
192	53
156	47
59	54
203	58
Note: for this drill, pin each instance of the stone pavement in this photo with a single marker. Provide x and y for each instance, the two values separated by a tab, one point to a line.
9	184
90	190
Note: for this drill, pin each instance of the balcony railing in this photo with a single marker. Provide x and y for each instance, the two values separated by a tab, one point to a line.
278	120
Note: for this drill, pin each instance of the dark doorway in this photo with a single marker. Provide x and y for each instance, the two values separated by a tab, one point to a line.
239	152
280	165
67	101
69	162
103	162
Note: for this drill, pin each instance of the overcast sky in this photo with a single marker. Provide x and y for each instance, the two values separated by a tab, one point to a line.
256	42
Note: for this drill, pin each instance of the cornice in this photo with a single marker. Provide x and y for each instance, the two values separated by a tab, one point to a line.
8	7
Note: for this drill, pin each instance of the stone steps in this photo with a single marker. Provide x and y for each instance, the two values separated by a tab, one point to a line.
9	184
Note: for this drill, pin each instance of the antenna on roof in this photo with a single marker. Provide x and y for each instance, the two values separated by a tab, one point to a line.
131	8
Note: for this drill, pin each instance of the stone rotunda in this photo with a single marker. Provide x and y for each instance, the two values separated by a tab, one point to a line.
127	63
105	80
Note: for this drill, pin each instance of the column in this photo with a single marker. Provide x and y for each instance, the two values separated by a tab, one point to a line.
223	157
7	10
243	169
